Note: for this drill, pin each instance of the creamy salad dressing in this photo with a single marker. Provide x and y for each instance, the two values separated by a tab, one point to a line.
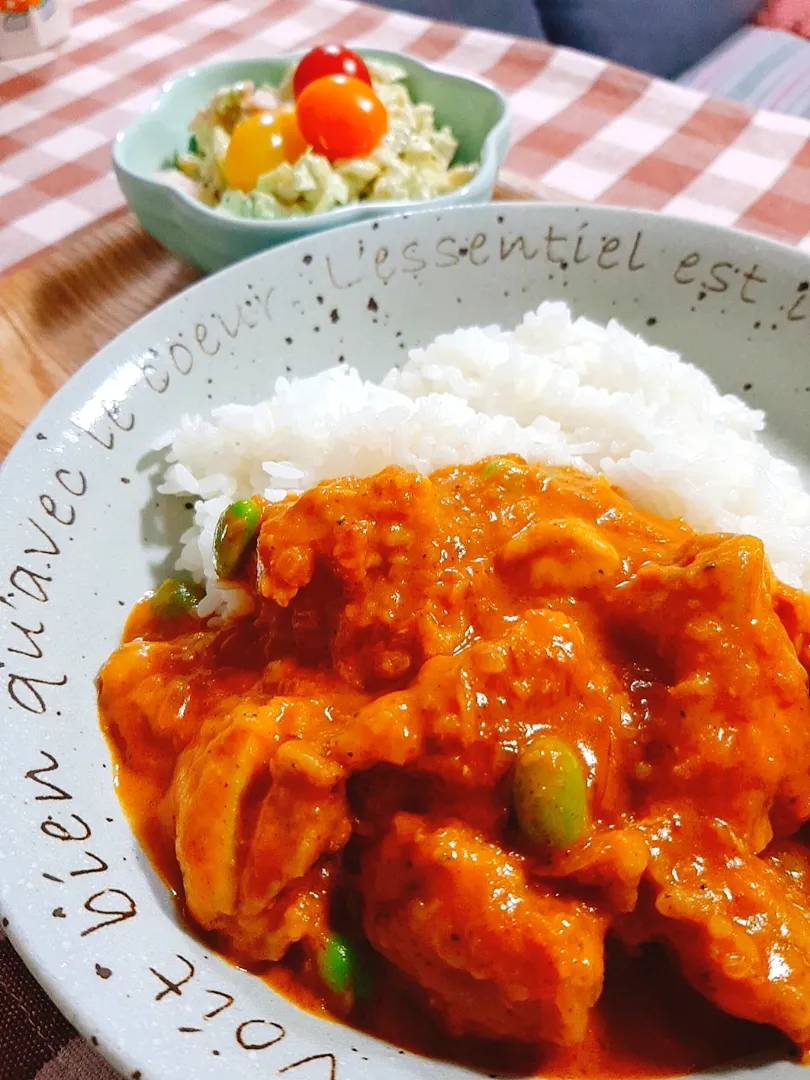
413	161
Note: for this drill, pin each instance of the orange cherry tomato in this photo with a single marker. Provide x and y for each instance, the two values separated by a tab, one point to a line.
341	117
259	144
328	60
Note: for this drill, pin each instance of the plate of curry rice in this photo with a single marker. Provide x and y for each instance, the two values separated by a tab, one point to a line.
405	642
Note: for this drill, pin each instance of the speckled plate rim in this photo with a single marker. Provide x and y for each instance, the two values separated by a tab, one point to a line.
87	396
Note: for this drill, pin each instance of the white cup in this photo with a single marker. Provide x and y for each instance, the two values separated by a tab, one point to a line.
30	26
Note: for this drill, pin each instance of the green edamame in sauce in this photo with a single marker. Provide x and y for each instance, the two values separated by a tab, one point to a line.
176	597
342	967
235	530
550	793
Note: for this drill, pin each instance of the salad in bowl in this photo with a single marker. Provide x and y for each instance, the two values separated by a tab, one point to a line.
236	156
338	130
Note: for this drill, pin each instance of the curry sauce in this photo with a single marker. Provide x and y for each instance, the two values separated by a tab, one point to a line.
329	782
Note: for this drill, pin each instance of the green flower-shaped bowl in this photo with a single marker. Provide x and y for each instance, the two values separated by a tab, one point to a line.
476	112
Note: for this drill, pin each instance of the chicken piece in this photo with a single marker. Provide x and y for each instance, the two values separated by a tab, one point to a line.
210	782
792	858
393	569
567	554
611	862
355	560
136	684
729	723
302	816
256	808
300	912
740	926
496	955
465	716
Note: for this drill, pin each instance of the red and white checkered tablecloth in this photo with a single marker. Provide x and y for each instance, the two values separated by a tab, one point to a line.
584	127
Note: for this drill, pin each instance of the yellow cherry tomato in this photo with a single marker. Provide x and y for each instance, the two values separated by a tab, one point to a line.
259	144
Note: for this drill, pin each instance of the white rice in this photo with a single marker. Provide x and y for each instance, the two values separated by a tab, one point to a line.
554	390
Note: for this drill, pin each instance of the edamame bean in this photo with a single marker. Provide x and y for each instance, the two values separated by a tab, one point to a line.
176	597
550	793
237	526
493	466
504	472
342	968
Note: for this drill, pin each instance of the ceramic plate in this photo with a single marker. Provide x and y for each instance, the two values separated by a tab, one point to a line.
83	534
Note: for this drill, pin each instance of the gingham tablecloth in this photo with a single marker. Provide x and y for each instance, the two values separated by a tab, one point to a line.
584	127
588	129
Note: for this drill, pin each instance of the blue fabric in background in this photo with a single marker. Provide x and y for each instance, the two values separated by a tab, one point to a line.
663	37
517	17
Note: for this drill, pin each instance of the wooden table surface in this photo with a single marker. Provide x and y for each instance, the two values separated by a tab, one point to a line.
58	310
65	304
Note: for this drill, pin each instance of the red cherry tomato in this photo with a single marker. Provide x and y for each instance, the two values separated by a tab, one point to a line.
328	60
341	117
